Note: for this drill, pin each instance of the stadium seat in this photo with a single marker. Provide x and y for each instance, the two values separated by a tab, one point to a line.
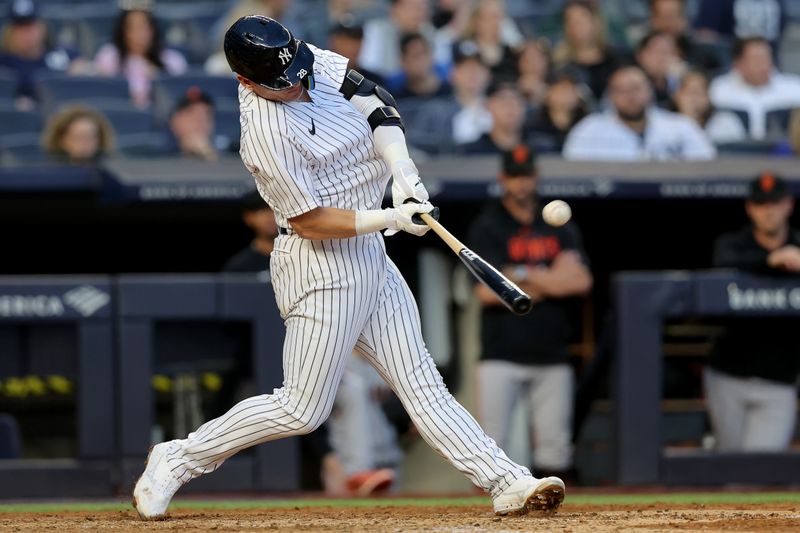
141	144
56	89
21	148
227	128
96	30
82	26
14	122
428	123
187	27
129	120
8	85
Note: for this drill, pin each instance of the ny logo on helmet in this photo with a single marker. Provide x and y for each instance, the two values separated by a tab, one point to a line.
284	56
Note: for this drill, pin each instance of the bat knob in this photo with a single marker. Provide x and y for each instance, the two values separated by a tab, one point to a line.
416	219
522	305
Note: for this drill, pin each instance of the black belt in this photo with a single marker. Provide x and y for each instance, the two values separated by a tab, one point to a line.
283	231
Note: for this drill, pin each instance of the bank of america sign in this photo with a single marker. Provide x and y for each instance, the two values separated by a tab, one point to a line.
86	300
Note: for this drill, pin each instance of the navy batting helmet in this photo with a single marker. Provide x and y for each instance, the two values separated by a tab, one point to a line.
262	50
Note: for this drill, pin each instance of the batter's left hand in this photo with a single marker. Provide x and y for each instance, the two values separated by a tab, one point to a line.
406	183
402	219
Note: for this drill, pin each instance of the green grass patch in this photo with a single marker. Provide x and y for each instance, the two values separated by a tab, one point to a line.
679	498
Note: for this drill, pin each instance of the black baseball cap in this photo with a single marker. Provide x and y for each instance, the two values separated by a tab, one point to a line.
23	12
566	74
502	84
768	187
253	201
194	95
347	27
464	50
519	161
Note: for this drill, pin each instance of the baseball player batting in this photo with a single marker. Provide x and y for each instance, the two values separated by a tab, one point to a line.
322	142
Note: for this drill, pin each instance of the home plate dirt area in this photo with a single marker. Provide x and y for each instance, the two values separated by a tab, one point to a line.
418	515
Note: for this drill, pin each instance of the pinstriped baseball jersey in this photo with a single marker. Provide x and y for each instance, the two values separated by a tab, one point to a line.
335	296
315	154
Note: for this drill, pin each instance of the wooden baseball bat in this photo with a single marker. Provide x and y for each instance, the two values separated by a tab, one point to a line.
512	296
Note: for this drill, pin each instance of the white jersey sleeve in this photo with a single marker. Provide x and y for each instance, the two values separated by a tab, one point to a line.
329	64
280	170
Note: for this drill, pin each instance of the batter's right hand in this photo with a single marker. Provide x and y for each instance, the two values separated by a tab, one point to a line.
400	219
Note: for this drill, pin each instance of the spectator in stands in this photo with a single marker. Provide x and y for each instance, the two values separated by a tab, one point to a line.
78	135
741	19
751	380
669	16
346	38
25	51
692	100
658	57
507	109
634	130
192	126
497	37
137	54
418	77
438	125
381	50
584	45
527	357
567	102
757	90
534	68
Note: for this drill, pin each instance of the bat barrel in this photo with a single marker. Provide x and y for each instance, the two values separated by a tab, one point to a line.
512	296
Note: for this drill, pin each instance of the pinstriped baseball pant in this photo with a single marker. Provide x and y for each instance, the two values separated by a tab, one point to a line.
337	296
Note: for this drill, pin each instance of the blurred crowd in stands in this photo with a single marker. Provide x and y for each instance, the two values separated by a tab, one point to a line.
592	79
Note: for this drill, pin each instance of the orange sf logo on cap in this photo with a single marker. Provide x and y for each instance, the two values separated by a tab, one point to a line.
520	154
767	182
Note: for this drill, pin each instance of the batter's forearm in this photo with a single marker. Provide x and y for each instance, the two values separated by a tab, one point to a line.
333	223
325	223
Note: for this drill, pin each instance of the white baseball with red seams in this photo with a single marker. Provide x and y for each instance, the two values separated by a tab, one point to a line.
557	213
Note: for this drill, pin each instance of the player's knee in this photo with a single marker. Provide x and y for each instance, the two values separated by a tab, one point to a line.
308	420
307	425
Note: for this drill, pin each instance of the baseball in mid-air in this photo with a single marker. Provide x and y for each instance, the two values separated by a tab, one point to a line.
557	213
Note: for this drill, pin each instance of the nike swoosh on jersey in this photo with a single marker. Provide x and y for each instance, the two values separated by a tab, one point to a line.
313	129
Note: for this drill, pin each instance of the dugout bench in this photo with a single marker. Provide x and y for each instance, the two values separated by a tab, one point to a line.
62	325
144	301
643	300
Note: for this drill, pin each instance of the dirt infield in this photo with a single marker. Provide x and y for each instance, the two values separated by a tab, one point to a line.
570	518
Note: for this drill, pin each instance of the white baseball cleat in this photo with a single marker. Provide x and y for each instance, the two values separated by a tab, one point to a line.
530	494
157	484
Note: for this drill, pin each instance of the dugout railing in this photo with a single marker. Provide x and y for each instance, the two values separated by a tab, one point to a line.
642	302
